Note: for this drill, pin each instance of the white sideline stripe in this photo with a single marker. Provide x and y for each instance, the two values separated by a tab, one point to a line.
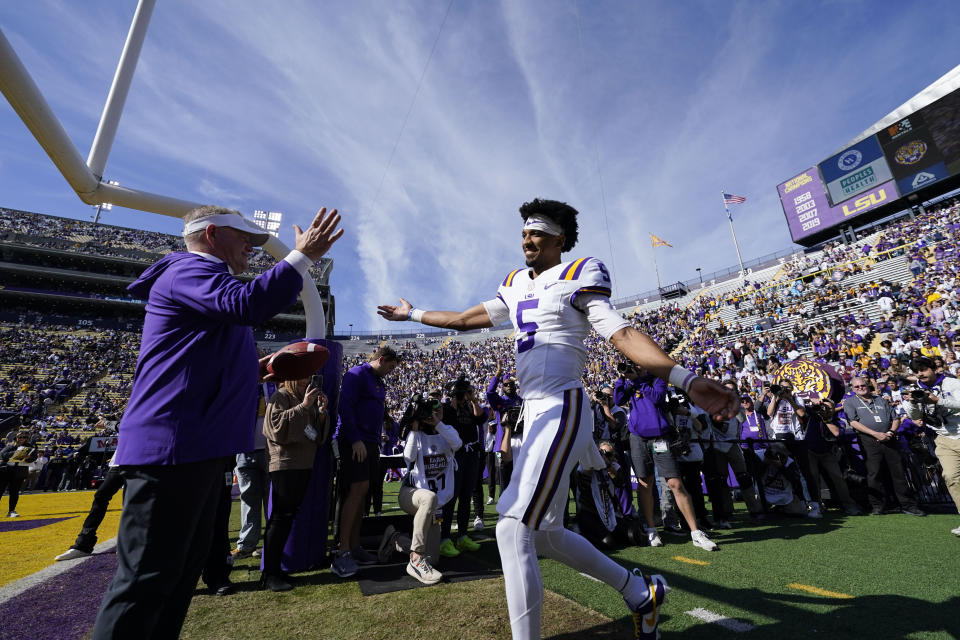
591	577
17	587
727	623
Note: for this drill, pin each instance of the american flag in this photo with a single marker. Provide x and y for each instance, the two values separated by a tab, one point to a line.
729	198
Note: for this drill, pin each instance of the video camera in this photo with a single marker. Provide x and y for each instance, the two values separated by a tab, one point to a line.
419	409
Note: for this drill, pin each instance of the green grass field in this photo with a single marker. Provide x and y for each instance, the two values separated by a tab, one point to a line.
893	576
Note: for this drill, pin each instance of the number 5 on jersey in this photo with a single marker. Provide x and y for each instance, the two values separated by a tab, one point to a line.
525	343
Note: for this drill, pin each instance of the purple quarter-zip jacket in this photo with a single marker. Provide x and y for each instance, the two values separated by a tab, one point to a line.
194	393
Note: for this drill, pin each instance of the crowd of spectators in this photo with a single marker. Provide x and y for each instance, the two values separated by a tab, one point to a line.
51	232
828	306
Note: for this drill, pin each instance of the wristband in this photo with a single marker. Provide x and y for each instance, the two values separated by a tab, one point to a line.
416	315
681	378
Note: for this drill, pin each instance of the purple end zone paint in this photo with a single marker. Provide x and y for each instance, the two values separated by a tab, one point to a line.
63	607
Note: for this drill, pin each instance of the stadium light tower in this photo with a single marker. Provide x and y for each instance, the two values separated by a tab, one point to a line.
103	206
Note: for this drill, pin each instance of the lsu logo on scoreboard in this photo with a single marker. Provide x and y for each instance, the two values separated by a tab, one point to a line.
868	201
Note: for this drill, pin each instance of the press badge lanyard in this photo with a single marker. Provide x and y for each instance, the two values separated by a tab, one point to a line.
869	407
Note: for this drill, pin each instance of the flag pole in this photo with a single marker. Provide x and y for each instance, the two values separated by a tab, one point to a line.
656	270
732	232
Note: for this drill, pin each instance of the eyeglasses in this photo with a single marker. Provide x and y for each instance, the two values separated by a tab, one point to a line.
860	386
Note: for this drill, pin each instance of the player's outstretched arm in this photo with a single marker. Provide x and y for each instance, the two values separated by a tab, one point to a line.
721	403
476	317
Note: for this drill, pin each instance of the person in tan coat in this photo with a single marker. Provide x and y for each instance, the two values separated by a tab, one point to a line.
295	423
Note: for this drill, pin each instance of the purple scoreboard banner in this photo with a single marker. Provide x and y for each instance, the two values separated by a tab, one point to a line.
808	211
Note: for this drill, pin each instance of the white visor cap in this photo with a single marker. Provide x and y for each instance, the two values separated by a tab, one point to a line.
257	234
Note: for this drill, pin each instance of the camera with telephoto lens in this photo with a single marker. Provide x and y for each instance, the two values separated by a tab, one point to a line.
776	389
511	419
918	394
626	368
419	409
679	442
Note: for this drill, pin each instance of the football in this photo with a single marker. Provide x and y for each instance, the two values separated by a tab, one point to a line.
297	361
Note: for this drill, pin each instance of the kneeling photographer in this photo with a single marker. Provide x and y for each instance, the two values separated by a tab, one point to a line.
428	450
936	401
600	515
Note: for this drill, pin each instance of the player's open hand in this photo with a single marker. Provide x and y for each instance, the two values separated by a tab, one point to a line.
395	313
714	398
319	236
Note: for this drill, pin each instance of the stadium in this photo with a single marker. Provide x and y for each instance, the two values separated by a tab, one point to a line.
824	539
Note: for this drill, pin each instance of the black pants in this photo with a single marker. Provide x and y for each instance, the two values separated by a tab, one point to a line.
287	489
690	474
375	493
877	454
506	470
216	570
491	473
488	461
164	538
11	479
112	482
464	479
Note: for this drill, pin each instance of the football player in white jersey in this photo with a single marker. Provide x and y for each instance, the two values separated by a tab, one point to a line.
552	305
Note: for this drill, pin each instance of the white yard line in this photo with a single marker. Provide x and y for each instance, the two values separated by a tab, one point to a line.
17	587
727	623
591	577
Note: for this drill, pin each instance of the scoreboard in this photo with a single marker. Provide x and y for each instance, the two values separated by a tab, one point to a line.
909	155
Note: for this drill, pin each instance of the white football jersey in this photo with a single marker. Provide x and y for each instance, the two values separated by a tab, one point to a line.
550	326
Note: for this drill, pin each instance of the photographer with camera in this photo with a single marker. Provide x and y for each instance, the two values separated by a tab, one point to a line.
724	453
936	401
429	453
785	412
499	405
464	413
610	425
783	486
296	421
877	423
600	516
509	443
650	437
690	422
823	453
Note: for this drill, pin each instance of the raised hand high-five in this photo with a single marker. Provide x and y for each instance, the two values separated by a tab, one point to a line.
319	236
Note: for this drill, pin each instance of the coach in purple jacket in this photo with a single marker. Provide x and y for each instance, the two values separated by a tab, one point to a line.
193	403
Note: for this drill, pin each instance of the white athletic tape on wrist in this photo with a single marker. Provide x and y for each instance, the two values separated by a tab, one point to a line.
416	315
681	378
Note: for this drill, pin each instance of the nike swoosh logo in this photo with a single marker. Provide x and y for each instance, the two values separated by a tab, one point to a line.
652	620
547	286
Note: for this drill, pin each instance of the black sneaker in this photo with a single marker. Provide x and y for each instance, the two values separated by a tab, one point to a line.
913	511
276	583
363	557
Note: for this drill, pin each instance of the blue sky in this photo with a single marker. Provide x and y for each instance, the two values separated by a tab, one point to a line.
636	113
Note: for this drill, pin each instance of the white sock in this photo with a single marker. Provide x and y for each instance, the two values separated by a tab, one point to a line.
521	577
576	552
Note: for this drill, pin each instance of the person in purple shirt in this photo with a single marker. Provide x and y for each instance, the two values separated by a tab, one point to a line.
362	404
650	446
193	404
